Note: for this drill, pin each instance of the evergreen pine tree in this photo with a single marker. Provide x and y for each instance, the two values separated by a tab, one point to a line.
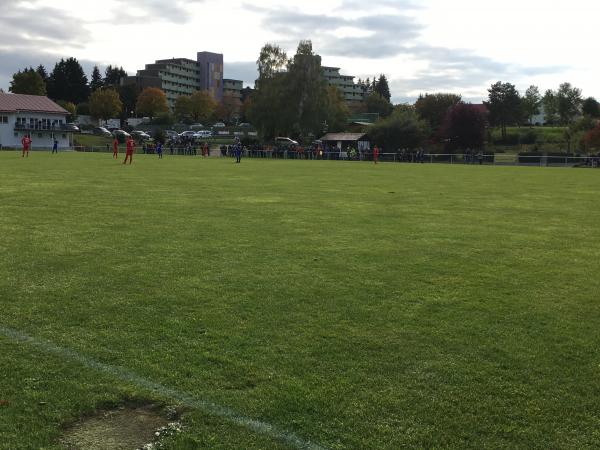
96	81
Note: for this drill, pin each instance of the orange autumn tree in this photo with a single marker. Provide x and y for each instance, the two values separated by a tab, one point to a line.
151	102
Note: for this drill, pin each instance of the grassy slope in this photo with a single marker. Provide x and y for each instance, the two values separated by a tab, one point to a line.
549	139
358	306
544	134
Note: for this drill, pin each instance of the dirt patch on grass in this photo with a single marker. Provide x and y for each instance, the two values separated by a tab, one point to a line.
119	429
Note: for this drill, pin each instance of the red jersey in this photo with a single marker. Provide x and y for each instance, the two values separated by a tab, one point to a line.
130	146
376	152
26	142
115	145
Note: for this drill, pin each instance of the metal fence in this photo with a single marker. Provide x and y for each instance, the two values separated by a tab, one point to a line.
434	158
498	159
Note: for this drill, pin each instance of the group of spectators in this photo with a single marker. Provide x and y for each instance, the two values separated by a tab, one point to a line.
189	149
317	151
593	161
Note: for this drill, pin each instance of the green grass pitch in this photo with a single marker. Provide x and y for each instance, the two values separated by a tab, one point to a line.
352	305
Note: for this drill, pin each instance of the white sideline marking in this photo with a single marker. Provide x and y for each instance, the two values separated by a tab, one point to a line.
188	400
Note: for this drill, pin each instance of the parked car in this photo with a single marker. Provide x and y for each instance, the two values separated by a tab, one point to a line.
203	134
187	134
197	126
219	125
101	131
286	142
121	133
140	135
170	134
244	125
71	127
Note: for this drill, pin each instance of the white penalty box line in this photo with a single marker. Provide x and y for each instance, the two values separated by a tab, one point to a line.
125	375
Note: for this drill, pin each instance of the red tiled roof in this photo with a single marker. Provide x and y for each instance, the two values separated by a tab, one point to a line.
481	108
29	103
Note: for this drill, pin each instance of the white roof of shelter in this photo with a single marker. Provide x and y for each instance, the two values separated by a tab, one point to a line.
344	137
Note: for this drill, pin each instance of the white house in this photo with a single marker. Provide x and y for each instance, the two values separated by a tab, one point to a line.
33	115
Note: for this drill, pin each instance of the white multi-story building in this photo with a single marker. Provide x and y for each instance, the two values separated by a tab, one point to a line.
33	115
353	93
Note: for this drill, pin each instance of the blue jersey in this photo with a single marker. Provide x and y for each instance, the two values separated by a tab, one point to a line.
159	148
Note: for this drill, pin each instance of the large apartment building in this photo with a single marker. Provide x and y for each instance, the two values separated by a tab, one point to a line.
177	76
353	93
182	76
211	73
232	96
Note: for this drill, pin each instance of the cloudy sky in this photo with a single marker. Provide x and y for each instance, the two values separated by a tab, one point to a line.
459	46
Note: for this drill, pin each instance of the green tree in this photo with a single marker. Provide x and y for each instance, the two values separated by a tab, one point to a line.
113	75
531	103
83	109
43	72
202	106
165	119
105	104
267	109
550	104
337	111
504	105
382	88
183	108
68	82
151	102
591	108
307	91
294	102
129	95
377	104
464	127
568	100
272	60
402	129
434	107
69	106
28	82
96	81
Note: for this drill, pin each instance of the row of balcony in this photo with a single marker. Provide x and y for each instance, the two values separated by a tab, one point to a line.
41	127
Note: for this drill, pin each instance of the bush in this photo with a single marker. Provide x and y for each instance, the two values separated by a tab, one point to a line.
249	140
83	109
167	119
529	137
510	139
159	135
403	129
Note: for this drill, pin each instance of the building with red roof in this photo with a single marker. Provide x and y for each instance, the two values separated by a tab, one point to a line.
33	115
